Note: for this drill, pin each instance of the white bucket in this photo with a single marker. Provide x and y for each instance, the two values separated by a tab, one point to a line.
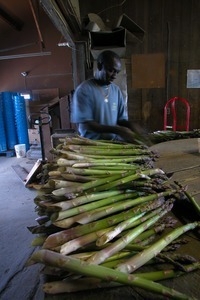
20	150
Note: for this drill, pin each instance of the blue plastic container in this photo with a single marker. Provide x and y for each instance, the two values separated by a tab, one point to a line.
21	121
9	119
3	144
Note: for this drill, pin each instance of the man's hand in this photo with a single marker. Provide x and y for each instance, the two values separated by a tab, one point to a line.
133	136
126	134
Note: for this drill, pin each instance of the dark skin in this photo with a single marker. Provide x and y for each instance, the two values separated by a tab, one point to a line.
106	73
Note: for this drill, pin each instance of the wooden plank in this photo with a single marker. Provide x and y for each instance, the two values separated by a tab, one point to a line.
142	66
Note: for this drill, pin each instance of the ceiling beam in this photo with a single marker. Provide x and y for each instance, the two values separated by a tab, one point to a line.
37	24
55	14
70	13
12	21
4	57
57	17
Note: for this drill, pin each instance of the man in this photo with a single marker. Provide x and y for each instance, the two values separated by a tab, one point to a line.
98	106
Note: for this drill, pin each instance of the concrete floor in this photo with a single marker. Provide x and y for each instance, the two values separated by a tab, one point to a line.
16	213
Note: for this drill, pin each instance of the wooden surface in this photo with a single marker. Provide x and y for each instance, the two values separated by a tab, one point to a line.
181	160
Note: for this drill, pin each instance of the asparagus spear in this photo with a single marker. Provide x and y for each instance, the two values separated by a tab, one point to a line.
86	198
111	152
92	206
88	283
141	258
68	263
62	237
81	188
111	234
120	244
110	209
106	171
81	241
191	199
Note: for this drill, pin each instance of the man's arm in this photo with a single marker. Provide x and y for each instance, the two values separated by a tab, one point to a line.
124	132
140	133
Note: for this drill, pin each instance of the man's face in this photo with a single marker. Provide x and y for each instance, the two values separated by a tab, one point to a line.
109	70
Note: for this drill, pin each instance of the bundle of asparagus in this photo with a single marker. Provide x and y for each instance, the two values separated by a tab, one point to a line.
100	209
168	135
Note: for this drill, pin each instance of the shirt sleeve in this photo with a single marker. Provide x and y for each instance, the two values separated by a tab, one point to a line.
82	104
122	111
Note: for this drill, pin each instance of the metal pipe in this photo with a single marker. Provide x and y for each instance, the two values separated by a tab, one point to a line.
24	55
37	24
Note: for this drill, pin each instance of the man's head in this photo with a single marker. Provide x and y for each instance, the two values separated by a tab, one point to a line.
108	66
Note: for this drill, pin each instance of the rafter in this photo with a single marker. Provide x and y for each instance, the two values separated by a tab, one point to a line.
11	20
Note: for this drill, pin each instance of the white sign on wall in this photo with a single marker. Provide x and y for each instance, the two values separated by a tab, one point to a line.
193	79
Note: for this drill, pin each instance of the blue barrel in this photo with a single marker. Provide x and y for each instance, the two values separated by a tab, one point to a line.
3	143
9	120
21	120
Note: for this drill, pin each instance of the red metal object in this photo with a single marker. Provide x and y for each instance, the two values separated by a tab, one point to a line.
171	104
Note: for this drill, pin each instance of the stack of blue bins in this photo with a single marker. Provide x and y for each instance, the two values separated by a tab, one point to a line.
9	117
21	120
13	121
3	143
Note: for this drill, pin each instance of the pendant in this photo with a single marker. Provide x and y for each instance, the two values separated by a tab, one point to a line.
106	100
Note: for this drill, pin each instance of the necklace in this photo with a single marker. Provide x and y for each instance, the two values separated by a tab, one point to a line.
105	95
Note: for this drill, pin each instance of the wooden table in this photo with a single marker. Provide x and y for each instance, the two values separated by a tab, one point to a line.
182	158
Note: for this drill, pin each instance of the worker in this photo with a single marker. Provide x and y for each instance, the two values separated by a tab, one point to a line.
98	107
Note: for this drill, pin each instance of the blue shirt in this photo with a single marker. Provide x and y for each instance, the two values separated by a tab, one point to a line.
102	104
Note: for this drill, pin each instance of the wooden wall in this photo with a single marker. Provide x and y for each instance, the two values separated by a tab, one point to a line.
46	74
172	28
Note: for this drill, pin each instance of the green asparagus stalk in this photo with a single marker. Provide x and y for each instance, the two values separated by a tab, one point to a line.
111	234
88	283
112	164
55	173
141	258
148	233
111	152
68	263
92	206
65	162
38	240
62	237
81	241
70	286
191	199
84	171
110	209
100	211
129	178
78	178
117	159
69	155
85	186
86	198
116	257
121	243
57	184
129	223
100	143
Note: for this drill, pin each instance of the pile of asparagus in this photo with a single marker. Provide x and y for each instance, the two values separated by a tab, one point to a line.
103	213
169	135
